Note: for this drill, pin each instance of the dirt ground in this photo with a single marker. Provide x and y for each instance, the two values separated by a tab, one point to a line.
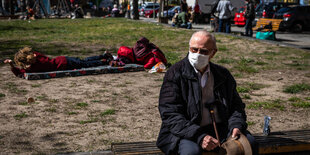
88	113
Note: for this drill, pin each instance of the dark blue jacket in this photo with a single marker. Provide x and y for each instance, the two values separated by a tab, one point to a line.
179	106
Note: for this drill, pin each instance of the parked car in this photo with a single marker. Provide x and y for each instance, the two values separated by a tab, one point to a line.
239	17
147	7
295	18
171	13
150	12
267	10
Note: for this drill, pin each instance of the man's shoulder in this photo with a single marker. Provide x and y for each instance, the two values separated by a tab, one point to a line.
179	65
217	66
220	69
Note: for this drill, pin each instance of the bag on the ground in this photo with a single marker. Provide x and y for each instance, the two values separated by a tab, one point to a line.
266	35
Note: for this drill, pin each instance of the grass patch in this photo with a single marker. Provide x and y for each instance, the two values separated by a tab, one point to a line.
82	105
245	65
294	99
107	112
226	61
299	65
173	57
13	88
241	89
95	101
260	63
2	95
267	105
256	86
20	116
23	103
246	96
35	85
250	123
301	104
53	109
296	88
222	48
238	75
59	37
53	100
72	113
42	97
92	120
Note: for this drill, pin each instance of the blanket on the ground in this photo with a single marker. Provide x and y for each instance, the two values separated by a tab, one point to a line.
84	71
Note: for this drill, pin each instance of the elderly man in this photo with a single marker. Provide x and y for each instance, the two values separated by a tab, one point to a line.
190	89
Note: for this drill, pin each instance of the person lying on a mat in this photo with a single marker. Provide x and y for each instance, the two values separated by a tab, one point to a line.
31	61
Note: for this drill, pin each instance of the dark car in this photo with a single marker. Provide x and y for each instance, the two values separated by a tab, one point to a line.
295	18
267	10
171	12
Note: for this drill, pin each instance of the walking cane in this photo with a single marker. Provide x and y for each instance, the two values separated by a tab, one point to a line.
214	124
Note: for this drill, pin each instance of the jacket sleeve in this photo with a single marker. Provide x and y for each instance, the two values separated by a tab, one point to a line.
18	72
237	118
172	109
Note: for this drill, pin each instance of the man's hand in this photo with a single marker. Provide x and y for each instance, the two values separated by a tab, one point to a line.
9	61
6	61
236	132
209	143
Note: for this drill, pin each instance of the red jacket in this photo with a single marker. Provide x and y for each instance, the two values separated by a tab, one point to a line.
43	64
144	53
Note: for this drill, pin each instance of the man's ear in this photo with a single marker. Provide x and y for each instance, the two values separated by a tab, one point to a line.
212	55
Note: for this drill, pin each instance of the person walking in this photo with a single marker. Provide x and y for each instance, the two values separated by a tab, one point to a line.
250	16
224	8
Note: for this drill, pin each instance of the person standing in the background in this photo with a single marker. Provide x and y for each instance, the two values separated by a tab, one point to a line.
197	12
224	8
250	16
184	6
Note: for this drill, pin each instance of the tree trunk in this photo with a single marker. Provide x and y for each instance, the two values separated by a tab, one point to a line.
135	10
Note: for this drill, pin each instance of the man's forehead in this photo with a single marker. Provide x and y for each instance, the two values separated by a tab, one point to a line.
202	40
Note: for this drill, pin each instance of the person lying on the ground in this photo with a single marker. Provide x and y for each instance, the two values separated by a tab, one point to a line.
31	61
144	53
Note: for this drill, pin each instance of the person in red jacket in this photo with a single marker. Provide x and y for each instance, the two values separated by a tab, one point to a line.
144	53
31	61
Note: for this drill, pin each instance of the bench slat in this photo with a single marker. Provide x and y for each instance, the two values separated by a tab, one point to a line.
276	142
262	22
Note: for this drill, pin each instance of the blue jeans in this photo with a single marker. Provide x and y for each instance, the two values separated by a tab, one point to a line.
188	147
225	22
188	25
248	27
77	63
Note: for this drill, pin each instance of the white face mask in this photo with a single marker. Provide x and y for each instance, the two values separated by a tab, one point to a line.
199	61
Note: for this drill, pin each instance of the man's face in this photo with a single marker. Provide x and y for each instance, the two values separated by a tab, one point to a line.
203	45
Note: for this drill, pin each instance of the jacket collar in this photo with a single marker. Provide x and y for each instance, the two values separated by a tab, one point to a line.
189	72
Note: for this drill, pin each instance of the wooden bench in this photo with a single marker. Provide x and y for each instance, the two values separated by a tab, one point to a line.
287	142
267	24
